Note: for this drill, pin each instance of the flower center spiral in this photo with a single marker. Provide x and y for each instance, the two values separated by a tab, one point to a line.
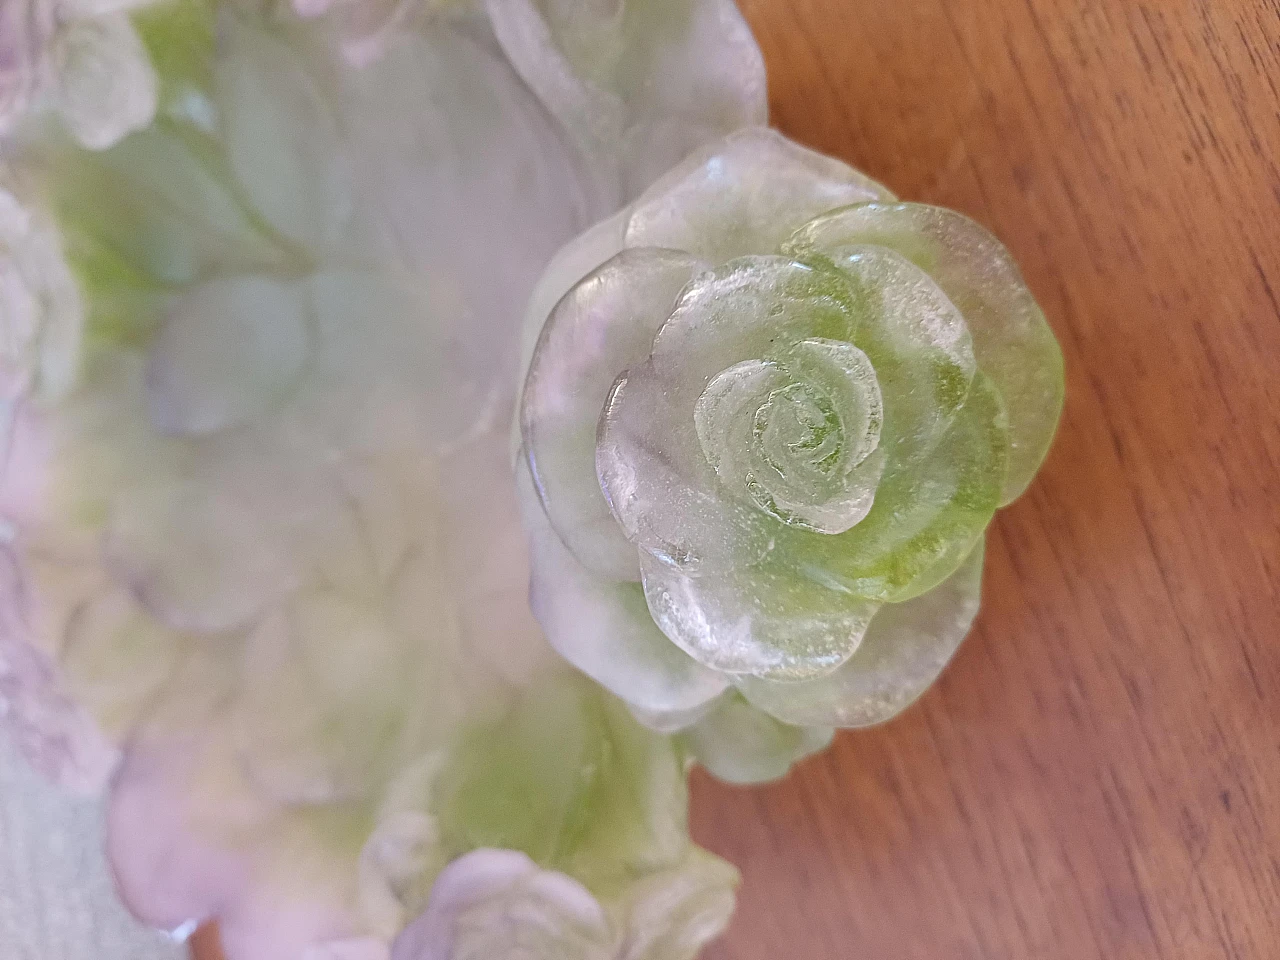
797	436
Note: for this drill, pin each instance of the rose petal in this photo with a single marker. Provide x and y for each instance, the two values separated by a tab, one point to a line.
189	841
637	83
674	913
115	659
764	620
1013	344
927	516
672	721
569	777
650	459
485	571
602	326
660	486
595	116
402	855
752	308
798	438
388	370
41	311
740	744
62	322
20	313
904	649
284	148
106	88
604	629
586	252
503	195
919	346
324	686
152	211
558	912
167	871
230	350
743	195
199	560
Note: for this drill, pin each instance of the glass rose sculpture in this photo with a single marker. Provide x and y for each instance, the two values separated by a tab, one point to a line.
768	416
265	549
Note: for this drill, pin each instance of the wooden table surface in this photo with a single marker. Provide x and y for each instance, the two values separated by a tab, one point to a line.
1097	776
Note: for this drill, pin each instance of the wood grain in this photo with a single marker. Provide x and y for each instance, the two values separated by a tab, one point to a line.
1097	776
1098	773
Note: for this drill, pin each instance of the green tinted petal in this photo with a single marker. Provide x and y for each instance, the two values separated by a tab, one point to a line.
744	195
284	148
568	777
928	515
904	649
322	713
1013	344
740	744
641	815
124	307
158	210
179	36
766	620
116	660
601	327
918	344
673	914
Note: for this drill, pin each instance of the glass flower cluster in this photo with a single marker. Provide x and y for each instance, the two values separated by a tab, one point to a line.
768	415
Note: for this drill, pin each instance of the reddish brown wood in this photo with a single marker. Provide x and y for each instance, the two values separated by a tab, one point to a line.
1097	776
204	945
